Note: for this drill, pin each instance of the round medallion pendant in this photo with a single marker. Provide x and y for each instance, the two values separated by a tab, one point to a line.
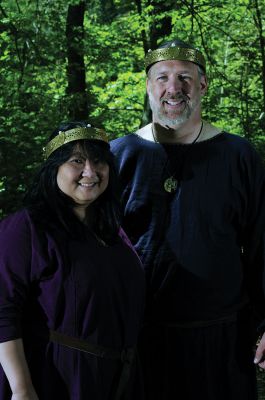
170	184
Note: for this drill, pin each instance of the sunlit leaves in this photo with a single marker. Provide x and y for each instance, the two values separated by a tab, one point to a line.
33	79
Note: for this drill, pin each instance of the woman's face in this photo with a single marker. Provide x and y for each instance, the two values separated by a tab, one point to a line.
83	179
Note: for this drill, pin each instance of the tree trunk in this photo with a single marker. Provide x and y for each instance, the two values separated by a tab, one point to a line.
259	24
76	89
156	32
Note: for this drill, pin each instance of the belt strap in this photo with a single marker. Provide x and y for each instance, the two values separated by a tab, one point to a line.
126	356
82	345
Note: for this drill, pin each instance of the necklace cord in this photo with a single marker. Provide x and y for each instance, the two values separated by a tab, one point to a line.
171	184
194	141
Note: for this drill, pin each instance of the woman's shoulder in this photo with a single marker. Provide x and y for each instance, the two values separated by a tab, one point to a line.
21	234
21	229
17	221
16	232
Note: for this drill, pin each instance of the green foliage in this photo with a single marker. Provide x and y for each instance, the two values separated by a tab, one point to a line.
124	98
33	71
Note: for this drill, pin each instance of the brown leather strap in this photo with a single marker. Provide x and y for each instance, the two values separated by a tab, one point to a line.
99	351
126	356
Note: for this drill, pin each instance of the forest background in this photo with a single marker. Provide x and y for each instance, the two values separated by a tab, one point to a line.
69	60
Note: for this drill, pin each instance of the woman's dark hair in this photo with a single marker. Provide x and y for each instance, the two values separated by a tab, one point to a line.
49	205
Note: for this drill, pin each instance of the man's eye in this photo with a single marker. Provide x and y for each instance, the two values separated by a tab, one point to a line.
162	78
184	78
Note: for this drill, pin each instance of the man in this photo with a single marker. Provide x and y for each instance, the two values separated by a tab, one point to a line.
194	201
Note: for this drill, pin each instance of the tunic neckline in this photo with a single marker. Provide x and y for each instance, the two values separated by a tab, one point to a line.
212	139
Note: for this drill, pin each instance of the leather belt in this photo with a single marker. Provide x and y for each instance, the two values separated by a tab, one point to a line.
96	350
126	356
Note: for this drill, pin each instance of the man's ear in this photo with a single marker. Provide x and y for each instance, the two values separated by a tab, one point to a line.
203	84
147	84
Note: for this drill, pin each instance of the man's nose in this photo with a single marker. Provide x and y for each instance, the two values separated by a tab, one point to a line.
175	85
89	169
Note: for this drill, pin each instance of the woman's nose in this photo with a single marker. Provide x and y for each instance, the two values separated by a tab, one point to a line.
89	169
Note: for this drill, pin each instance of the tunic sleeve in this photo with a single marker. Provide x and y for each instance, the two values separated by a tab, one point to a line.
254	233
20	265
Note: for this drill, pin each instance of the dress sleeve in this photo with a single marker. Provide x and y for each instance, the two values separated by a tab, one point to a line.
19	263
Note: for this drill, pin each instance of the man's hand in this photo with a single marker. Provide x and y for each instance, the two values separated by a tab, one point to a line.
260	353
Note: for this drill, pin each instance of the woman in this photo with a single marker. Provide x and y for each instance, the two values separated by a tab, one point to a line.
71	287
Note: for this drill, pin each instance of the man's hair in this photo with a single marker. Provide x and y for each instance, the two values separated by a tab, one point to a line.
175	42
49	205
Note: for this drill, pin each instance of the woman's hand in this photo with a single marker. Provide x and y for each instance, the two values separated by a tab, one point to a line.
25	395
13	361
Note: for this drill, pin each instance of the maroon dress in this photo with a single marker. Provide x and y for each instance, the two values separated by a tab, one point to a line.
81	289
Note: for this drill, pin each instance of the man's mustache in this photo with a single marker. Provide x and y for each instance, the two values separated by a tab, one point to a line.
181	97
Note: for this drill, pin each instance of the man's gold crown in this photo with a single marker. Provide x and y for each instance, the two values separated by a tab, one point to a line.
174	53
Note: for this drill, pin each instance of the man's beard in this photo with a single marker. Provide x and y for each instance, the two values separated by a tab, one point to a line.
174	123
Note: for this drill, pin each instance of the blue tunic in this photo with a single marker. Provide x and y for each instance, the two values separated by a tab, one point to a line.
203	250
198	244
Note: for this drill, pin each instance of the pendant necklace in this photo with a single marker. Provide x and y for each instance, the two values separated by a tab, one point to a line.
171	183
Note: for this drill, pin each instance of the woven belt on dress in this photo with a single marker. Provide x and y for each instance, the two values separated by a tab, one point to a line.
126	356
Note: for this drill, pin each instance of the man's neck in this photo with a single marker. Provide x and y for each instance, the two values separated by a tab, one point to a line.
158	133
185	133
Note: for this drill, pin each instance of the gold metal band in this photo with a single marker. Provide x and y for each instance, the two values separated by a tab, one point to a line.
74	134
175	53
